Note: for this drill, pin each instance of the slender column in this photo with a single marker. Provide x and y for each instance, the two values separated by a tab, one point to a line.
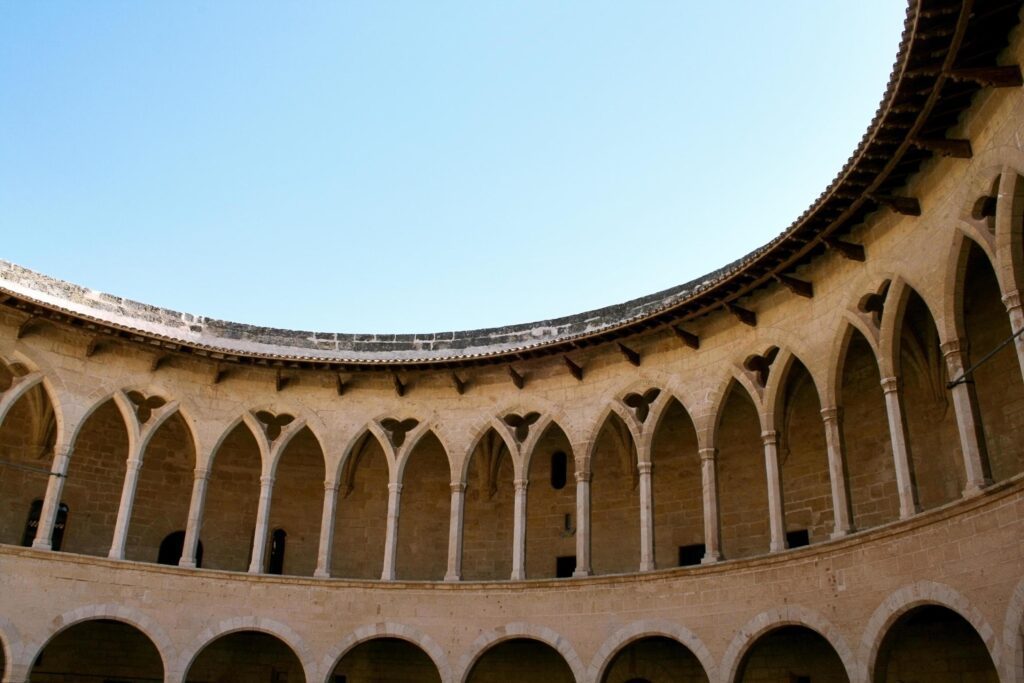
709	488
646	517
124	511
519	531
51	503
582	524
905	483
323	556
776	514
391	536
968	421
1016	314
842	515
200	481
259	540
454	572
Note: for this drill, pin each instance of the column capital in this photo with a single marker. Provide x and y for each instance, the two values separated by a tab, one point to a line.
583	476
645	467
521	484
332	486
201	473
1011	300
63	451
890	384
394	487
831	414
769	437
457	486
708	453
953	347
134	463
266	482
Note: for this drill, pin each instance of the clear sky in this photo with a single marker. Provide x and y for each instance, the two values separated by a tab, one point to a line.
420	166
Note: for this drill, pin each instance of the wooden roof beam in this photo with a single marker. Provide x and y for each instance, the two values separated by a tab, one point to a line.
399	385
574	370
854	252
799	287
517	379
632	356
906	206
1008	76
946	147
459	384
744	315
688	338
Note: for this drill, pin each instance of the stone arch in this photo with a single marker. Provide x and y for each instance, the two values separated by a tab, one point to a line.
114	612
421	539
645	629
15	653
658	410
315	427
792	615
529	447
386	629
543	634
1013	637
897	299
615	408
735	380
774	393
476	437
955	281
279	630
338	468
907	598
414	439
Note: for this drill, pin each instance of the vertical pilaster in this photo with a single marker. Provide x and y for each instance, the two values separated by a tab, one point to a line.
51	502
200	482
776	514
646	517
323	556
259	540
582	523
709	490
842	513
968	421
124	510
458	507
905	484
391	536
519	531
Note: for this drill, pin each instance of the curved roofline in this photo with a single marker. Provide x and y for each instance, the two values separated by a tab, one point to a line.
935	76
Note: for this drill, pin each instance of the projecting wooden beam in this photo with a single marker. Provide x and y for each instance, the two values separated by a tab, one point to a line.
280	381
632	356
745	316
991	76
94	345
854	252
339	385
459	384
399	386
688	338
799	287
955	148
517	379
907	206
574	370
158	361
219	373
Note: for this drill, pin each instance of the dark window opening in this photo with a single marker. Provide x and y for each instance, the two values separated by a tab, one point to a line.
276	563
798	538
565	566
559	470
172	548
35	513
690	555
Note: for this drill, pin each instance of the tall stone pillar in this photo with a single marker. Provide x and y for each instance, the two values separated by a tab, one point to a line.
51	503
259	540
519	531
582	524
454	572
646	517
124	511
842	513
709	489
776	514
323	556
391	535
968	421
905	483
200	482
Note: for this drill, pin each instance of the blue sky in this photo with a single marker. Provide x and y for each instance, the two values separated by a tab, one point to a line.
420	166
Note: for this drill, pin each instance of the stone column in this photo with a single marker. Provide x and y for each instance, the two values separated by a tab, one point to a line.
200	481
905	483
646	517
323	556
259	540
968	420
776	513
391	535
454	572
709	488
582	524
124	511
51	503
1016	315
519	531
842	514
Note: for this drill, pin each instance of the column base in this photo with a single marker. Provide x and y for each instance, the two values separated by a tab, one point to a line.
580	573
711	558
115	555
517	576
976	489
776	547
840	533
452	578
647	567
321	574
186	564
42	545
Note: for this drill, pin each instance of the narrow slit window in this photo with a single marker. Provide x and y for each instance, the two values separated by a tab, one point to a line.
277	541
559	470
